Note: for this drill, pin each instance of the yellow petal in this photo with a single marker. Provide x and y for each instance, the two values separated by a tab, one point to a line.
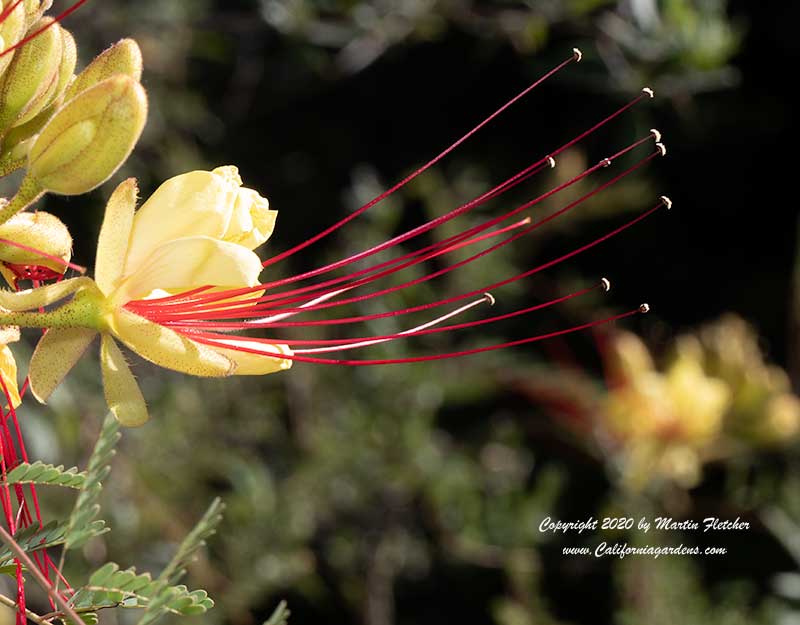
188	263
248	363
198	203
167	348
29	299
252	222
8	371
56	353
114	236
123	396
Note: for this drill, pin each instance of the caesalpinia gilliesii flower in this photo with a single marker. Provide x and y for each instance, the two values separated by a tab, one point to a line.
197	229
174	280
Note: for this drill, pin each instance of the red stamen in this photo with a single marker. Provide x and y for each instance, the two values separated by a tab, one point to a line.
575	57
60	261
419	331
153	309
249	311
220	325
457	354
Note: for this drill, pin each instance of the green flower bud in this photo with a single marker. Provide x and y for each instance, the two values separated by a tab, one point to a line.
35	231
11	30
89	137
34	9
32	77
66	70
124	57
17	142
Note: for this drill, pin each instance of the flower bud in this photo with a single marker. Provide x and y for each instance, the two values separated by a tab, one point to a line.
31	79
34	9
12	29
66	70
34	233
124	57
89	138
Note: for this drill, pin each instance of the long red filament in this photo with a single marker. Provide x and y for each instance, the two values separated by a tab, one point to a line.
254	310
443	302
456	354
405	334
421	169
152	308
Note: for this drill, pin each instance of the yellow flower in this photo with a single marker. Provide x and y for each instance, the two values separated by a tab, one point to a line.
197	230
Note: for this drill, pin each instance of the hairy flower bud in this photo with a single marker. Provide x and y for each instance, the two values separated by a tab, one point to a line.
89	138
66	70
32	234
124	57
17	141
34	9
12	29
30	80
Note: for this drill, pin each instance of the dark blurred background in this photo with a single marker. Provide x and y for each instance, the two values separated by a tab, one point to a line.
413	493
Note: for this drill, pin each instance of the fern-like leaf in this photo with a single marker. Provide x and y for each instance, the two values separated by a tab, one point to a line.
110	587
33	538
82	523
46	474
167	596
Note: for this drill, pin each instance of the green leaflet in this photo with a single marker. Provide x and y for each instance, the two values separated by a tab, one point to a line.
109	587
46	474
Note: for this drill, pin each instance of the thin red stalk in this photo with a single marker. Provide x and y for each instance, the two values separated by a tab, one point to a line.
252	311
79	268
422	169
8	10
457	354
239	326
398	335
36	33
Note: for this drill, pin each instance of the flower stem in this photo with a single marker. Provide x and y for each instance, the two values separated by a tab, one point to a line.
7	601
80	312
29	191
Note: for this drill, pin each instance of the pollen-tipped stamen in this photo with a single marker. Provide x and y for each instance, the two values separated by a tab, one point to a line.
201	312
178	306
443	356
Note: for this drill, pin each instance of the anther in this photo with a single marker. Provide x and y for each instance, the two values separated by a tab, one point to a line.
667	202
606	162
606	284
644	308
552	162
661	148
649	92
656	135
490	299
577	55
